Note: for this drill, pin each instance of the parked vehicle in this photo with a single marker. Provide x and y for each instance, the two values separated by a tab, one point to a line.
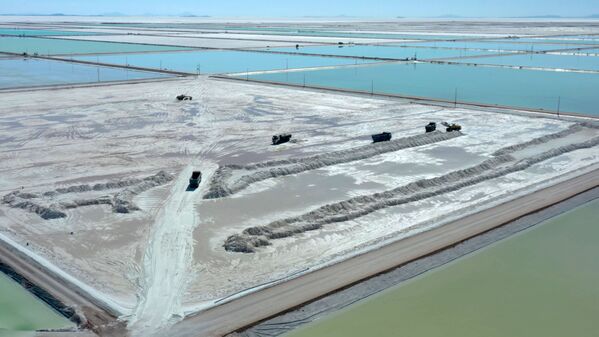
430	127
280	139
381	137
184	98
196	178
452	127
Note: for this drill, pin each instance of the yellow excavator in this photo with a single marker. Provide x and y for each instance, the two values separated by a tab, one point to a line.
452	127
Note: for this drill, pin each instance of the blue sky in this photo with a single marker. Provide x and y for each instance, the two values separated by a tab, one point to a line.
273	8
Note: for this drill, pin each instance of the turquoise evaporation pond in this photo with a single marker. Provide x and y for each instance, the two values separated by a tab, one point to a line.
214	62
557	40
493	45
383	51
42	46
588	51
488	85
16	73
40	32
576	62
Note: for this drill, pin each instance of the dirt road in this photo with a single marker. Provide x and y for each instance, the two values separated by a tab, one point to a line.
265	303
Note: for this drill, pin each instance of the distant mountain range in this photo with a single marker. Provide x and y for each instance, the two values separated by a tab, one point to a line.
188	14
547	16
110	14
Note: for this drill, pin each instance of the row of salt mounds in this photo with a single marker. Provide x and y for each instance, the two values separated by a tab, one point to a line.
121	201
353	208
221	187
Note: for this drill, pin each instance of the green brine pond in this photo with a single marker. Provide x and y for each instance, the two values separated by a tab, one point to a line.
542	282
577	92
21	312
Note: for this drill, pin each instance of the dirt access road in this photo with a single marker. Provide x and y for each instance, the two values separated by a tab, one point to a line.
265	303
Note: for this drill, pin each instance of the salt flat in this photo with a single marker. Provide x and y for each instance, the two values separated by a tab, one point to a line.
115	133
93	179
195	42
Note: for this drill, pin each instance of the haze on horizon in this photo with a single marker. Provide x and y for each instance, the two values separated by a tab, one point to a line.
264	8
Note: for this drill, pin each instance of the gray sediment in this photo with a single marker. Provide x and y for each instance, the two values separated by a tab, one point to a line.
324	306
253	237
120	201
221	186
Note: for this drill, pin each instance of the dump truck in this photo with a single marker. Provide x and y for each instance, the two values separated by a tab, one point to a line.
196	178
184	98
381	137
280	139
452	127
430	127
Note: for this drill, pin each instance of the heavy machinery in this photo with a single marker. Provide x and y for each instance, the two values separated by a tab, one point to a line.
184	98
430	127
280	139
452	127
381	137
196	178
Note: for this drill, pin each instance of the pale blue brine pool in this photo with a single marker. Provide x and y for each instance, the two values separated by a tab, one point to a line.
576	92
382	51
503	45
51	46
41	32
575	62
220	61
569	40
17	73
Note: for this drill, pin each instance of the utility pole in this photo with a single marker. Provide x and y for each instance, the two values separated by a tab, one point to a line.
559	103
455	98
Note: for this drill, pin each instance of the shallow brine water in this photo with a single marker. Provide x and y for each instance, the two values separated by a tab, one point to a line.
577	62
16	73
21	312
541	283
383	51
499	45
46	46
40	32
221	61
576	92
